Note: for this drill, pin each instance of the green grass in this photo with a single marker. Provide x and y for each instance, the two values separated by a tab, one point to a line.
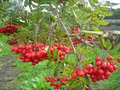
6	49
27	71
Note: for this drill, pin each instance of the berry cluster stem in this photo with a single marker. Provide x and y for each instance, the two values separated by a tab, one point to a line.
66	31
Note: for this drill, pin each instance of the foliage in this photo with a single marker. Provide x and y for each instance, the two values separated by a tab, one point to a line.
36	84
49	21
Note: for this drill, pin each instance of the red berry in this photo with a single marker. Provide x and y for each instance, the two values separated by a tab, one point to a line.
89	66
110	68
100	72
112	62
118	59
104	64
86	71
115	67
98	58
107	73
59	85
95	70
91	71
80	72
94	80
74	75
92	76
71	48
109	58
98	63
102	77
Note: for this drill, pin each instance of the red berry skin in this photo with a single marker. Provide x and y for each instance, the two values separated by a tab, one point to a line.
94	80
74	75
86	71
95	70
98	78
59	85
109	58
56	44
80	73
47	80
98	63
112	62
118	60
100	72
111	69
61	57
107	73
55	79
71	49
102	77
51	84
108	65
27	60
104	64
115	67
98	58
75	70
92	76
55	87
89	66
91	71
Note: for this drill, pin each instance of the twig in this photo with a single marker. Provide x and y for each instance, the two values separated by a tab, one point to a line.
85	42
101	32
36	30
38	27
68	35
65	29
82	52
103	50
88	83
95	51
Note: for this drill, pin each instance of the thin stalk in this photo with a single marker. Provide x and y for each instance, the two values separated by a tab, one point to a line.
66	31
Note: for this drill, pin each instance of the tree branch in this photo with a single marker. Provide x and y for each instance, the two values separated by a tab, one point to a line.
65	29
88	83
69	38
36	31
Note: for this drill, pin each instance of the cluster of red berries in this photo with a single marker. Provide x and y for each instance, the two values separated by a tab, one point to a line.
57	82
100	72
29	53
74	29
76	40
12	41
90	39
61	50
9	29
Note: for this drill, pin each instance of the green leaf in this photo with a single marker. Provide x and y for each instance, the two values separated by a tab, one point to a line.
74	14
82	79
55	53
115	49
95	28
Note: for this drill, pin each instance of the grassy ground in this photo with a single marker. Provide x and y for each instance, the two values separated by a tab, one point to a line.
5	48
